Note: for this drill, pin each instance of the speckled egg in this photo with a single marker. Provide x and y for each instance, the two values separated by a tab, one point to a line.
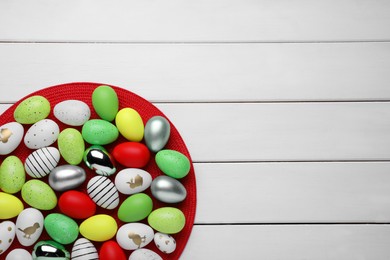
61	228
12	176
11	136
100	132
173	163
167	220
144	254
39	195
72	112
164	242
29	226
42	161
41	134
71	146
7	235
32	110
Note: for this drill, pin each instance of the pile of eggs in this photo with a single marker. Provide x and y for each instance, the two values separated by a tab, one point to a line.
51	185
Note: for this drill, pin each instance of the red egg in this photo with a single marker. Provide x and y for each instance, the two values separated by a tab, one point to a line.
131	154
76	204
111	250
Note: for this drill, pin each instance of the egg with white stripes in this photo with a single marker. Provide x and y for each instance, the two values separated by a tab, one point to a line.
103	192
83	249
42	161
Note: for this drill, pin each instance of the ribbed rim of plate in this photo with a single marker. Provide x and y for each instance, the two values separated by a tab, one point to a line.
83	91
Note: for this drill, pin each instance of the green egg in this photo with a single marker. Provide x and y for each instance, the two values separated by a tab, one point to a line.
167	220
105	102
12	175
61	228
173	163
32	110
100	132
135	208
71	146
39	195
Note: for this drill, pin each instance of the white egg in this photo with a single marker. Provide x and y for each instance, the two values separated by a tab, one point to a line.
41	134
72	112
166	243
7	235
42	161
134	236
29	226
19	254
144	254
11	135
83	249
132	180
103	192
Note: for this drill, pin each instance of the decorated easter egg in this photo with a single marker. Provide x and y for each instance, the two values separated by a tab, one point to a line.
134	235
12	176
99	160
83	249
168	190
99	228
41	134
66	177
111	250
167	220
42	161
50	250
71	145
144	254
19	254
7	235
72	112
130	124
105	102
61	228
173	163
29	226
100	132
157	132
32	110
11	135
76	204
166	243
39	195
10	206
132	180
131	154
135	208
103	192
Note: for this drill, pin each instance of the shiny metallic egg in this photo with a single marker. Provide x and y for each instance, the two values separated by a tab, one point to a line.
99	160
168	190
157	132
50	250
66	177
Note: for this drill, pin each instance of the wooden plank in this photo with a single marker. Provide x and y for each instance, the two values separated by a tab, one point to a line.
206	72
297	242
293	193
199	21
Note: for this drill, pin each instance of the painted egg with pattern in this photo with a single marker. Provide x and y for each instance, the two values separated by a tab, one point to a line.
99	228
100	132
19	254
144	254
12	176
105	102
99	160
66	177
39	195
83	249
134	236
7	235
173	163
71	146
29	226
130	124
61	228
132	180
131	154
32	110
10	205
164	242
157	132
167	220
72	112
103	192
76	204
11	136
111	250
42	161
168	190
41	134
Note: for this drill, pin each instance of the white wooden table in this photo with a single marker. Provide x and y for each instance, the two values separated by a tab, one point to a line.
283	104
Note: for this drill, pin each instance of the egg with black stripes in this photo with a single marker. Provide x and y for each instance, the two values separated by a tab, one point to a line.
42	161
103	192
83	249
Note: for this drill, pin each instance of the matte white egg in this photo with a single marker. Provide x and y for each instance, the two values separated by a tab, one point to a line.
144	254
134	236
132	180
29	226
166	243
83	249
7	235
41	134
42	161
103	192
11	136
19	254
72	112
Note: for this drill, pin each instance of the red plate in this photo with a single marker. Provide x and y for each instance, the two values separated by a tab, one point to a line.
83	92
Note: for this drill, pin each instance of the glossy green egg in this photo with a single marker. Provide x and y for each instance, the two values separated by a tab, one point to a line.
100	132
32	110
105	102
39	195
173	163
12	175
71	146
167	220
135	208
61	228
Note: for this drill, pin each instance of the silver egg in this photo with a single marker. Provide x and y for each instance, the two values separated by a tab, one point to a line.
99	160
50	250
168	190
66	177
157	132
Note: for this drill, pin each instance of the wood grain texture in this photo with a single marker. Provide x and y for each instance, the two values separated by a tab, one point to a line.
205	72
199	21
